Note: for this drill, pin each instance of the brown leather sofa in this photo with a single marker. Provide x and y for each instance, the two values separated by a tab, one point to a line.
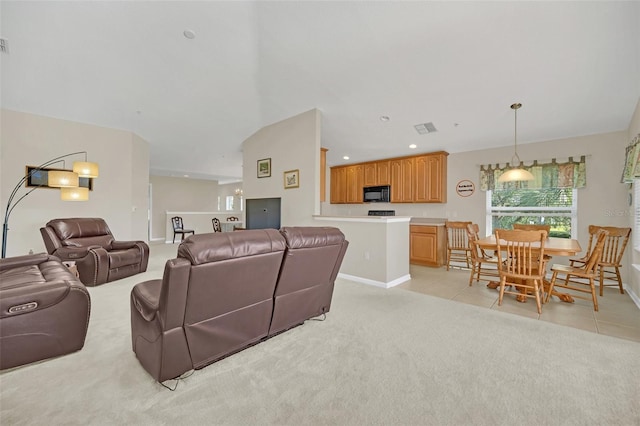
44	310
227	291
98	256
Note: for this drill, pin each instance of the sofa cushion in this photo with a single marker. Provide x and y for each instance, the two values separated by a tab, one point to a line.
205	248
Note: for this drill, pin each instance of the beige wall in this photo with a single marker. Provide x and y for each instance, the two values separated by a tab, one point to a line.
179	194
28	139
291	144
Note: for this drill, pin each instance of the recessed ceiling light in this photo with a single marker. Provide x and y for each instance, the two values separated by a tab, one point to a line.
413	146
190	34
346	157
384	118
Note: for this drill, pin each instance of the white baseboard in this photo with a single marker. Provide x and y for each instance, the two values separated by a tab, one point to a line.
375	283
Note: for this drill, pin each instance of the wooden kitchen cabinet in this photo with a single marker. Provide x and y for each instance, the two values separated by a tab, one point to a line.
338	185
376	173
402	171
427	245
430	178
415	179
355	183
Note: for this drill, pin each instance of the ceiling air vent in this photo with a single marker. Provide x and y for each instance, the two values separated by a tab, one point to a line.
425	128
4	45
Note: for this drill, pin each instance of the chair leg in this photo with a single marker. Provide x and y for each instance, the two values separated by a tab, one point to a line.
174	238
593	294
503	282
448	258
536	289
601	281
553	283
619	280
473	272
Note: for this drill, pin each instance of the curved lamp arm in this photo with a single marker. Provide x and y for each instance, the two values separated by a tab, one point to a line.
11	204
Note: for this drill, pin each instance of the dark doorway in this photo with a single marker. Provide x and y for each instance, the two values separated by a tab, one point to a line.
263	213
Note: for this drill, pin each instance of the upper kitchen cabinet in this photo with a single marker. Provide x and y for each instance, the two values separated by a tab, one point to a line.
402	180
355	183
376	173
431	178
338	185
415	179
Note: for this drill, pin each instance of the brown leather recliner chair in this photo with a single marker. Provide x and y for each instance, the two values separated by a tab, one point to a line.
309	269
98	256
44	310
215	299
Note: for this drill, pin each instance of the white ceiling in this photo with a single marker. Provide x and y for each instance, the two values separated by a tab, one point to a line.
575	66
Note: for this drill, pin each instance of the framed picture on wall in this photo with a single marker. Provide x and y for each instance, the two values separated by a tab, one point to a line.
291	179
264	168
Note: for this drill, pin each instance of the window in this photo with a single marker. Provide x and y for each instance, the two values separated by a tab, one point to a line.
557	207
231	201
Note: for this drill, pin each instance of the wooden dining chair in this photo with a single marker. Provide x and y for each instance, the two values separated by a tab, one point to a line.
532	227
612	253
482	264
577	278
178	228
521	264
457	243
217	226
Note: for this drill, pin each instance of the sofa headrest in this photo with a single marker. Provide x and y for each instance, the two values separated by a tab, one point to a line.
81	227
205	248
311	236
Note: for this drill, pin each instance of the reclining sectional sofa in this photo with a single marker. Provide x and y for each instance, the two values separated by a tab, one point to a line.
227	291
44	310
99	257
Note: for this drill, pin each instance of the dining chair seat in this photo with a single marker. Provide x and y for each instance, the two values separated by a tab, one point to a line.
521	264
457	243
482	264
580	279
178	229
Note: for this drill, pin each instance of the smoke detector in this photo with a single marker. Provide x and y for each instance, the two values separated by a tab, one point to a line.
425	128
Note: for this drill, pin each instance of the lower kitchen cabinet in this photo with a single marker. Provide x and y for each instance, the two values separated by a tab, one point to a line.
427	245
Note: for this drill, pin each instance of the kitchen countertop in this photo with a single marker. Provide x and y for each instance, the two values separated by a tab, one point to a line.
428	221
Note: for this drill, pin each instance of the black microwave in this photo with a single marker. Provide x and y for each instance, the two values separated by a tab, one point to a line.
377	194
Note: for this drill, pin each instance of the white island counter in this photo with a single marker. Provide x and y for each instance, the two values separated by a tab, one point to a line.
378	252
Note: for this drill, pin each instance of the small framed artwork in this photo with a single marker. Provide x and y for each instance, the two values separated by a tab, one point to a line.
264	168
291	179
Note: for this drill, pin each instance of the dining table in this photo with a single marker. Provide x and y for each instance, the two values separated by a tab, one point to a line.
553	246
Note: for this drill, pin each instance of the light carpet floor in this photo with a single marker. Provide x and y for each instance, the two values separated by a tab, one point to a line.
382	357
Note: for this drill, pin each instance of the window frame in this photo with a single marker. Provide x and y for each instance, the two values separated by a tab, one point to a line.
571	212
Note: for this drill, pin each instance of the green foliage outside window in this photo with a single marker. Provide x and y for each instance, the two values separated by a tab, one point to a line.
549	206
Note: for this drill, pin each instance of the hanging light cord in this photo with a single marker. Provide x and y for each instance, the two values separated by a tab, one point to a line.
515	108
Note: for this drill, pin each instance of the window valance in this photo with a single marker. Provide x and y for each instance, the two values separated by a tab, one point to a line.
631	161
572	174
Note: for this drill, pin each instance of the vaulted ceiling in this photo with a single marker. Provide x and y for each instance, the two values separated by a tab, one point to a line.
575	67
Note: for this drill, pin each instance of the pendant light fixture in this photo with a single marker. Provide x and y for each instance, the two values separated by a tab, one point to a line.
517	173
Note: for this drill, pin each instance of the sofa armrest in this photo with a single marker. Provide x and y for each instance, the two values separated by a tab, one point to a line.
26	260
146	298
123	245
72	253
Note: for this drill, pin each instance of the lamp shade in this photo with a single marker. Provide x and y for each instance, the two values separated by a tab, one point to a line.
86	169
515	174
62	179
74	194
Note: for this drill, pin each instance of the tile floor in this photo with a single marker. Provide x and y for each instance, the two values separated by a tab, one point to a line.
617	316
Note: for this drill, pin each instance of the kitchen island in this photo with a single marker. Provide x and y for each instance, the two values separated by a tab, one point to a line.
378	252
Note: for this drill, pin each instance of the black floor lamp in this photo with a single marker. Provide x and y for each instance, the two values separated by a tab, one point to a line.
66	180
